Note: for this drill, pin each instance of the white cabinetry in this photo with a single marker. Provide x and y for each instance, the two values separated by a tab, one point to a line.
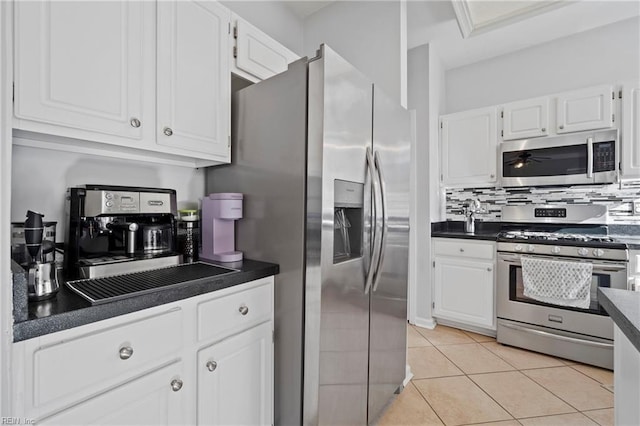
150	367
525	119
235	383
630	136
194	90
256	56
464	282
86	69
585	109
469	148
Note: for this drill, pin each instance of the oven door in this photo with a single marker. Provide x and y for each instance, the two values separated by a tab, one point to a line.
584	158
593	321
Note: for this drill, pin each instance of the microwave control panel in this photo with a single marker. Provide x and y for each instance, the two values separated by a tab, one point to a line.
604	156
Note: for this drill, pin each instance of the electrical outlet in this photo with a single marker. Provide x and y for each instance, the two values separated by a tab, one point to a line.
636	207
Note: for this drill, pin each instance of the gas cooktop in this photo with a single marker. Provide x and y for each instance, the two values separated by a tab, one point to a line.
554	236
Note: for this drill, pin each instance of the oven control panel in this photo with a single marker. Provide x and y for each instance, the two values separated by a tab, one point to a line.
550	212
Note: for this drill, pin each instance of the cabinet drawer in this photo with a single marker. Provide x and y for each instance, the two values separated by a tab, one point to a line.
463	248
223	316
88	364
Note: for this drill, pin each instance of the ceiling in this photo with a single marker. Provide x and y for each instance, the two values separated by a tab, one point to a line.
467	31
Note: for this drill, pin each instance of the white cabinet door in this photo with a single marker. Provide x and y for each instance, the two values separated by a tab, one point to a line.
630	137
469	148
525	119
85	66
235	379
464	291
258	54
194	88
153	399
585	109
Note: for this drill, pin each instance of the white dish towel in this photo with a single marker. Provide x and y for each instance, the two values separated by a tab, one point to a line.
564	283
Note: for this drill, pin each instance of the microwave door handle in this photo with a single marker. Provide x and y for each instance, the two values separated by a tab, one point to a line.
590	157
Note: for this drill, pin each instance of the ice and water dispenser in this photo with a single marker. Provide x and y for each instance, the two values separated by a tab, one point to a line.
347	219
219	213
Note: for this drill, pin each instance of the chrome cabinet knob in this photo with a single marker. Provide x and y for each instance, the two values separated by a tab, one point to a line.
212	365
492	175
561	127
126	352
461	250
135	122
244	310
544	129
167	131
176	385
489	269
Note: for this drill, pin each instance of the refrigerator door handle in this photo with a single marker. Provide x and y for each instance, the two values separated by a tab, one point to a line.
383	221
375	251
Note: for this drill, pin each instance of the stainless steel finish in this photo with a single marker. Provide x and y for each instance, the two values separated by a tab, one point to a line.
554	141
176	385
135	122
377	221
384	222
585	349
131	238
42	280
322	371
589	157
124	202
565	252
212	365
244	310
126	267
126	352
167	131
576	213
597	267
558	337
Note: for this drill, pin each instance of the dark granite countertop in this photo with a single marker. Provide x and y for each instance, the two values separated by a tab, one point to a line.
625	234
624	308
455	229
68	310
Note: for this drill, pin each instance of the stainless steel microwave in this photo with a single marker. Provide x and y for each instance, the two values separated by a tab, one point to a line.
573	159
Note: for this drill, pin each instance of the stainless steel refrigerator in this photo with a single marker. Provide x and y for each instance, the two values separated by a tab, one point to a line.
322	158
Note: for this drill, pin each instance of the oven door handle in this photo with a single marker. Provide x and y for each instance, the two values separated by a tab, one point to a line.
597	267
556	336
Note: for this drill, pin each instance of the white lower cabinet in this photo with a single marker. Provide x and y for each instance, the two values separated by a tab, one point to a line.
234	379
160	366
153	399
464	282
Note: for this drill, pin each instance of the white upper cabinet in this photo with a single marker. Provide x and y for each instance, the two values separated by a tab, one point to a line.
85	66
256	56
630	136
194	89
469	147
585	109
525	119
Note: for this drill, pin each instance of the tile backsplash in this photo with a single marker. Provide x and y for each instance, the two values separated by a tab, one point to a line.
618	198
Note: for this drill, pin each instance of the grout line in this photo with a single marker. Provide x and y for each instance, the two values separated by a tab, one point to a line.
425	400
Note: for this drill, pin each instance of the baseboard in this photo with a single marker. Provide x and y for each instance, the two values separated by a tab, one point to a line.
429	323
408	376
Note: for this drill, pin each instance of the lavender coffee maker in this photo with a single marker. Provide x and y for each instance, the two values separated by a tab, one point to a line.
219	213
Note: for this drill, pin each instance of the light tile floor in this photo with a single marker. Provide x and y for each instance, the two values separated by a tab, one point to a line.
463	378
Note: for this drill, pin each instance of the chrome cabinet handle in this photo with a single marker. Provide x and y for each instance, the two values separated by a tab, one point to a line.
176	385
244	310
212	365
135	122
126	352
167	131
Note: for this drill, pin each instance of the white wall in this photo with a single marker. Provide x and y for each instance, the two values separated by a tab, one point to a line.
274	18
607	54
40	178
365	33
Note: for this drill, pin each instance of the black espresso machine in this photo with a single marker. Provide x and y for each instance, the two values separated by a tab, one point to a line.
114	230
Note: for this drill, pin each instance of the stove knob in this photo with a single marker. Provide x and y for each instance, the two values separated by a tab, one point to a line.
531	248
555	250
598	252
583	251
518	247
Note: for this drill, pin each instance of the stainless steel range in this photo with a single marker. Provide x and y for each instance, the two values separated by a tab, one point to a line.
556	244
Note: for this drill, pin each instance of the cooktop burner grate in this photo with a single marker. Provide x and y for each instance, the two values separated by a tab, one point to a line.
109	289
